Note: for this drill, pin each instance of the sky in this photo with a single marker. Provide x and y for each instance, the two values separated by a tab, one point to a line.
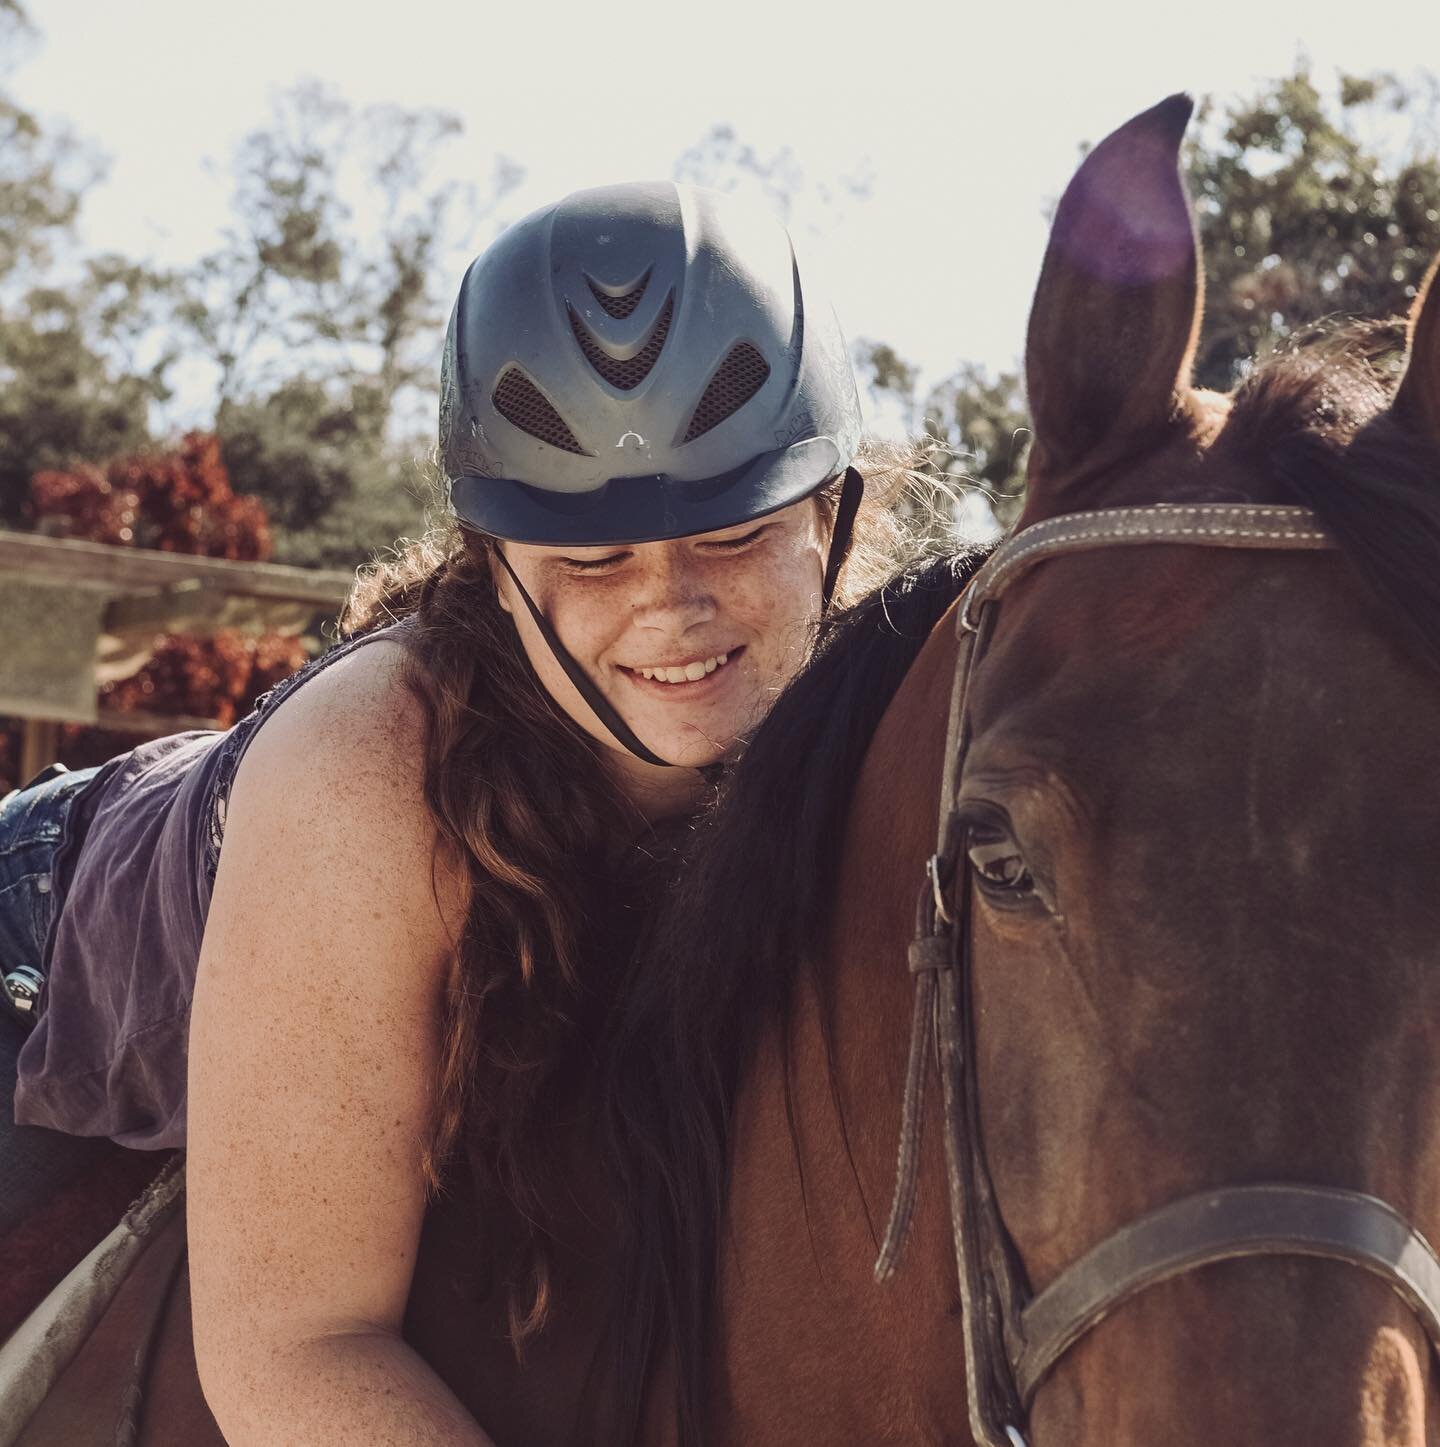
967	119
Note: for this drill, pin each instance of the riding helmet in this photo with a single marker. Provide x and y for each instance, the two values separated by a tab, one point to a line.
640	362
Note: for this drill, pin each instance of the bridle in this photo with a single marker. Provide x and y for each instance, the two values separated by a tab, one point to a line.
1013	1337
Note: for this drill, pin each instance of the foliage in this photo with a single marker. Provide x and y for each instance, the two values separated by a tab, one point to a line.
177	501
298	288
324	340
217	678
1309	208
982	429
70	383
59	397
317	456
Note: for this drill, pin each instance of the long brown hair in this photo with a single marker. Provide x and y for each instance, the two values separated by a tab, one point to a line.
520	794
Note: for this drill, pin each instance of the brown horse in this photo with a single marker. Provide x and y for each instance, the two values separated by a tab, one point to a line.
1203	928
1201	932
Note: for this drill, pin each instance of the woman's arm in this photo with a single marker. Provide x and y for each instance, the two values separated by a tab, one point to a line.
313	1047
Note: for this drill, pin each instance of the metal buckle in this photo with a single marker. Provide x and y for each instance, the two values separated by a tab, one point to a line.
23	984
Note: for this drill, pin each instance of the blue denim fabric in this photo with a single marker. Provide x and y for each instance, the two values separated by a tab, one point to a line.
34	1163
32	829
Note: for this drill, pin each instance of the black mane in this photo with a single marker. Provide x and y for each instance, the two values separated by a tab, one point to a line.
713	973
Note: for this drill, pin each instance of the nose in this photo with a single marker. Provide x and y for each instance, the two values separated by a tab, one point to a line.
674	593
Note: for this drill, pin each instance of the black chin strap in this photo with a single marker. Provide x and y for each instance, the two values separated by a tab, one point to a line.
585	686
852	490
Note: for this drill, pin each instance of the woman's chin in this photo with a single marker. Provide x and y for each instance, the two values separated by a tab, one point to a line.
690	750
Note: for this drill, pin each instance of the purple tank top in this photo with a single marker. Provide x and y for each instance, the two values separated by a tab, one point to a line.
107	1055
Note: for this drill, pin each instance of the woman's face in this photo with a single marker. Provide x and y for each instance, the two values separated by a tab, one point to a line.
690	640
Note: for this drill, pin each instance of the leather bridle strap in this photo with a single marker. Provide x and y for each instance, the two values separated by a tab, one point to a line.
1214	525
1227	1225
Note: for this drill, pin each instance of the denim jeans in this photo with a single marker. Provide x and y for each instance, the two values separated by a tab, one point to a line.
32	828
33	1162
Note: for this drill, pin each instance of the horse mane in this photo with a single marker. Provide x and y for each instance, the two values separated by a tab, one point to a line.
1316	417
722	958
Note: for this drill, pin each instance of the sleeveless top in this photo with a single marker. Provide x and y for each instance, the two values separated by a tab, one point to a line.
107	1056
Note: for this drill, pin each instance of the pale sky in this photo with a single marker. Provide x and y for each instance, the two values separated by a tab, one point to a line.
967	117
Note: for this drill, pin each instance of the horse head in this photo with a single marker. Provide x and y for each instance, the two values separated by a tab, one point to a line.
1202	838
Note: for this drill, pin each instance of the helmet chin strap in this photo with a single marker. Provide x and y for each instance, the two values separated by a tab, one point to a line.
585	686
851	492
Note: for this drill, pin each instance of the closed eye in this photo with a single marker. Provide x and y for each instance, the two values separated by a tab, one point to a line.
730	545
592	565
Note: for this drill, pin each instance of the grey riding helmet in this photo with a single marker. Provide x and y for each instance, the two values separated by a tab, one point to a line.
640	362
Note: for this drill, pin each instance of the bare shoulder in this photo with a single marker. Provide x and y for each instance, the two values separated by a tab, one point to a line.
338	773
362	697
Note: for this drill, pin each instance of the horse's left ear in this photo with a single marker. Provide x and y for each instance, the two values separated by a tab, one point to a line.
1417	402
1117	309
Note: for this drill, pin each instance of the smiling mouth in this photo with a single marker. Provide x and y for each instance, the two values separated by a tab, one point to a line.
695	671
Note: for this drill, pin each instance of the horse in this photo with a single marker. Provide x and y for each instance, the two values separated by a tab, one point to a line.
1171	938
1175	933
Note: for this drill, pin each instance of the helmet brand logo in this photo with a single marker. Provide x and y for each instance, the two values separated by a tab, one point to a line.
628	436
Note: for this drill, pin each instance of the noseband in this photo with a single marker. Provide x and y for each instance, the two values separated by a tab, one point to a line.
1013	1337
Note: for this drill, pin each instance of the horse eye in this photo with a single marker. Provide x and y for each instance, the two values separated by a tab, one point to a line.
998	864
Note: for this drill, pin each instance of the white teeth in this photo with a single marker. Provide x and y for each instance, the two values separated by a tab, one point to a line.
688	673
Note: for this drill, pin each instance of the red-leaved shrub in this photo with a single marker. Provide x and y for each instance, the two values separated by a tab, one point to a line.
177	501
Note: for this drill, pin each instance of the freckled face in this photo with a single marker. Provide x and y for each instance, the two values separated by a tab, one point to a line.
691	640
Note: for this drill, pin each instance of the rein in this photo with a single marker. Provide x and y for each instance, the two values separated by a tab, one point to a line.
1014	1337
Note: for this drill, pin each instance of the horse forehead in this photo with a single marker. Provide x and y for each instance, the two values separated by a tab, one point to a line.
1107	665
1122	620
1102	612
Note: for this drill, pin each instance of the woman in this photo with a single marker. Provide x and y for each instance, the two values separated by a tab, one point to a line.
649	428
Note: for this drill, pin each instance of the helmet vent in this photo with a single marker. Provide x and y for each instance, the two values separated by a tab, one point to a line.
627	374
620	307
739	377
517	399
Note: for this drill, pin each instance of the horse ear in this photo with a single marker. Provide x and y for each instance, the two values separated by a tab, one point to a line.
1417	402
1117	309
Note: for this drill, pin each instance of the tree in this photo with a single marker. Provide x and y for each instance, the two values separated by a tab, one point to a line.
69	383
1310	208
59	397
323	336
982	427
